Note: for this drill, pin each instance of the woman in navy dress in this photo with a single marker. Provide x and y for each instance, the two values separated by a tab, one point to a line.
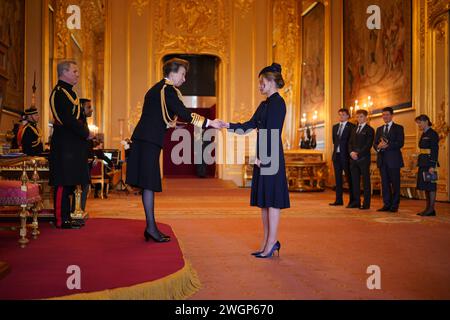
269	184
427	162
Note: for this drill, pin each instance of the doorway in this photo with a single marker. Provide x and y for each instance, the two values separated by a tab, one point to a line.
200	96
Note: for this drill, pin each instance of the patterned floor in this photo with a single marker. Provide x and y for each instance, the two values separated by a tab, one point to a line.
325	250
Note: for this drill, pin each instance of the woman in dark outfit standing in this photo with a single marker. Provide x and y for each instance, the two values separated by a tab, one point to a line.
427	163
269	189
162	106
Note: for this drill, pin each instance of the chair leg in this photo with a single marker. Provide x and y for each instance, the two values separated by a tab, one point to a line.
23	226
107	189
35	224
101	190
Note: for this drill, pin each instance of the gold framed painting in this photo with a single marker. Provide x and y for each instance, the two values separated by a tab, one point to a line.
377	64
313	70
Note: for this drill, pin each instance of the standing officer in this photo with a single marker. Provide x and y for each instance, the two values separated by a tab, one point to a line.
341	158
68	152
31	134
428	163
360	145
389	141
162	106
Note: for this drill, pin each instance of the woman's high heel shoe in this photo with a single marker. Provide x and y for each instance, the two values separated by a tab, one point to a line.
163	235
257	253
276	247
161	239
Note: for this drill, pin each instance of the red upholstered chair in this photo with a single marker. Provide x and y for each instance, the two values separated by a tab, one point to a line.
26	196
98	176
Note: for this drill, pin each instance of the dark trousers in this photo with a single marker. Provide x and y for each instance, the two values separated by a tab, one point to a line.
342	166
62	203
360	169
390	183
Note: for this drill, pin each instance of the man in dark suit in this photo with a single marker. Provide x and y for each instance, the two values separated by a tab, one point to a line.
360	144
341	157
389	141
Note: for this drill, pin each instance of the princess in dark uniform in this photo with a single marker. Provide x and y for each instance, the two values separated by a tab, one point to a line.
162	106
427	163
269	189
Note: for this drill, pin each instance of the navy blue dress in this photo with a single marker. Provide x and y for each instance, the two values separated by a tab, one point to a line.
269	183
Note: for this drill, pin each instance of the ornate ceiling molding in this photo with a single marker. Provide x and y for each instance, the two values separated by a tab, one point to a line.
193	26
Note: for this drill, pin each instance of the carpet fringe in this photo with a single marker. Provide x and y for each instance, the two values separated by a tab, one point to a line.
177	286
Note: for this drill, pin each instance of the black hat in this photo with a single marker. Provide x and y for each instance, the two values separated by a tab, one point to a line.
31	111
275	67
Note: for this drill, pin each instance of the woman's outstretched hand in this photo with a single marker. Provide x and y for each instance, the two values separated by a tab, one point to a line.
219	124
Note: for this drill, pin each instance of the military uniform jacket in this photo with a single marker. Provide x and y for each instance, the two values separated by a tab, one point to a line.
68	151
162	105
32	140
429	146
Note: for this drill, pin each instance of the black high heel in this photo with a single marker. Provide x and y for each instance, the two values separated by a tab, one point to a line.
257	253
148	236
163	235
276	247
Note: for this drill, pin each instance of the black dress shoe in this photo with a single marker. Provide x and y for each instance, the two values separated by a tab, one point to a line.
384	209
336	204
364	208
79	222
393	210
70	225
427	214
159	239
353	206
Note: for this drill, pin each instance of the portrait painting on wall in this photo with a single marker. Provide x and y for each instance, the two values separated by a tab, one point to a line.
378	62
12	48
313	66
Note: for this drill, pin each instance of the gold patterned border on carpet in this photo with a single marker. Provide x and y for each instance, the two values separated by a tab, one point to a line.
177	286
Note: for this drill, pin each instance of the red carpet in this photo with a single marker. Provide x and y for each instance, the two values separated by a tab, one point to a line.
111	253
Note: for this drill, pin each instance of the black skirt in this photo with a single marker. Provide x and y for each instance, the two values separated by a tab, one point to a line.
143	170
422	184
